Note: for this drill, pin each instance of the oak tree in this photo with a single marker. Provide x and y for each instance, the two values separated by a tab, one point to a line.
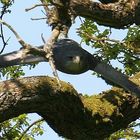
70	114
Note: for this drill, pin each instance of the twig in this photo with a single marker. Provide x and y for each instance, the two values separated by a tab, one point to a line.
5	43
46	6
4	8
34	6
48	49
94	38
38	18
48	45
38	121
54	36
27	47
20	40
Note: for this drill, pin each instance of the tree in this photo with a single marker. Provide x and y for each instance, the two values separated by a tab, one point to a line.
72	115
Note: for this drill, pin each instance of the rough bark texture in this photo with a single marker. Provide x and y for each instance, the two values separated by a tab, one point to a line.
118	15
71	115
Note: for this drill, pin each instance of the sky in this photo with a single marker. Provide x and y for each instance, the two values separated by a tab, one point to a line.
31	32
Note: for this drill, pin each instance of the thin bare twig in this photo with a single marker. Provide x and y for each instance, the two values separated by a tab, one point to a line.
45	7
4	8
47	45
38	18
94	38
27	47
5	43
20	40
38	121
34	6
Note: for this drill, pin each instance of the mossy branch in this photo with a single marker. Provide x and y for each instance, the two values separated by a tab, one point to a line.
69	114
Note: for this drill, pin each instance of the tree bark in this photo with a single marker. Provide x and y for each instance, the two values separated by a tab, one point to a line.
118	14
70	114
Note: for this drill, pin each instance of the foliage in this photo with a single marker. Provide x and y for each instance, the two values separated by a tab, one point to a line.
19	128
12	72
130	133
125	52
6	2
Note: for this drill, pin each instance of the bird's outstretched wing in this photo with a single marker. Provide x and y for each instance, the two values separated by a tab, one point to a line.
70	58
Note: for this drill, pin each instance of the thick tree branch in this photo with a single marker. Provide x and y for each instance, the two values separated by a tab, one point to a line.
16	58
117	15
72	115
69	114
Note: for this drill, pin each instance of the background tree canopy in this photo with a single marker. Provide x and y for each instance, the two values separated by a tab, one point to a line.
112	114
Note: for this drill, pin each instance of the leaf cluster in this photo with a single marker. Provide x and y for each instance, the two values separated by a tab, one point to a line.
125	52
19	128
7	2
12	72
130	133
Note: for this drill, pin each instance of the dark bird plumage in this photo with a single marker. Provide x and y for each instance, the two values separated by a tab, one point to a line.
70	58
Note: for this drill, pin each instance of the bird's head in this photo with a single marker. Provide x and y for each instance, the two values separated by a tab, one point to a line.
70	57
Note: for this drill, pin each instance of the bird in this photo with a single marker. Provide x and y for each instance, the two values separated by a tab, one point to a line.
69	57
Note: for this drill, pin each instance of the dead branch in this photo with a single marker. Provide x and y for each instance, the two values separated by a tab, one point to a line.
34	6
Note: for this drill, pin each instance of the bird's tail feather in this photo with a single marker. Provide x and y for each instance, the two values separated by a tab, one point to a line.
111	74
